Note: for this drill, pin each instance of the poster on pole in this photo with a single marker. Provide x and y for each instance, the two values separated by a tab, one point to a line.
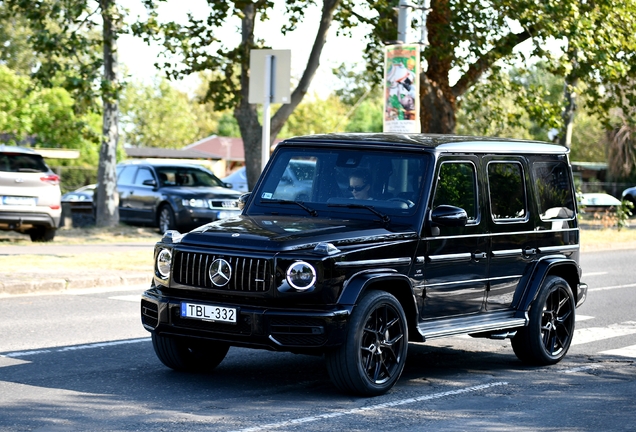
402	89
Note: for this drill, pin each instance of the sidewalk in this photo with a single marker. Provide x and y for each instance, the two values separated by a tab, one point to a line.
25	283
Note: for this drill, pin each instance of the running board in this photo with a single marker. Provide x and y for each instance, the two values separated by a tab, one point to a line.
469	325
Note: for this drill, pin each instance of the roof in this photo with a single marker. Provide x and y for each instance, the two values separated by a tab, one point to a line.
15	149
153	152
228	148
440	143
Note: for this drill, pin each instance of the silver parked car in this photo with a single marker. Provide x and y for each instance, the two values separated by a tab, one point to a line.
29	194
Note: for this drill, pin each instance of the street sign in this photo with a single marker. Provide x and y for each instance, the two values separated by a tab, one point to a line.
280	74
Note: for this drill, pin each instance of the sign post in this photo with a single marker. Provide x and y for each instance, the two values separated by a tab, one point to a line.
270	78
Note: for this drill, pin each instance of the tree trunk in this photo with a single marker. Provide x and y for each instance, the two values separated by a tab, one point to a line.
246	114
106	197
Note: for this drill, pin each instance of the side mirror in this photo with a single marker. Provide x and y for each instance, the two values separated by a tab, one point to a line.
242	200
150	182
449	216
228	185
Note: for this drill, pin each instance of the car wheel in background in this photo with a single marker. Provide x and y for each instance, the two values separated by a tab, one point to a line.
42	234
166	220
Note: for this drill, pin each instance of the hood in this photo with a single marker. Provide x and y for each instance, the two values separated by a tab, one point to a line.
201	192
267	233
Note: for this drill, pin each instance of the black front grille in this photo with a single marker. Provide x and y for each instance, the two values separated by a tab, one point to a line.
248	274
149	313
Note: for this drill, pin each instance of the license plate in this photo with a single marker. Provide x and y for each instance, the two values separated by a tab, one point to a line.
209	312
16	200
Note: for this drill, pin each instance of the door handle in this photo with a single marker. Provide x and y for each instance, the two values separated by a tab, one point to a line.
530	251
479	255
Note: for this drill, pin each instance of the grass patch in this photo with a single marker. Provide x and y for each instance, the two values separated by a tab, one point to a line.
140	261
90	235
602	239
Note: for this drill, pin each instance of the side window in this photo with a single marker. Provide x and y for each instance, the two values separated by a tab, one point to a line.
457	186
507	191
143	174
126	176
553	190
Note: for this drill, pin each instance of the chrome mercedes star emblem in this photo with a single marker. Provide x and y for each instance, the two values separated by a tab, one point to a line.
220	272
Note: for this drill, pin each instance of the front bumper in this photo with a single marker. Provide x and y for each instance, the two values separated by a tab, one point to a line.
14	219
190	217
581	294
295	330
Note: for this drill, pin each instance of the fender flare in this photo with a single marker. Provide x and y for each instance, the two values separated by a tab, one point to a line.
559	266
401	288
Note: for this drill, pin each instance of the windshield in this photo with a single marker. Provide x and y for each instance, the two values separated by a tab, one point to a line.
20	162
367	183
187	176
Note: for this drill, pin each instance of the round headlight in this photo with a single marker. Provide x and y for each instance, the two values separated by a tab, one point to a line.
164	261
301	275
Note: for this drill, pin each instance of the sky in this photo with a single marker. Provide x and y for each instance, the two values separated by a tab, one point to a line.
138	58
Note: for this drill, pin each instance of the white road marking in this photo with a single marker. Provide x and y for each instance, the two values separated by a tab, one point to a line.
593	334
583	317
354	411
130	298
612	287
581	369
628	351
74	348
593	274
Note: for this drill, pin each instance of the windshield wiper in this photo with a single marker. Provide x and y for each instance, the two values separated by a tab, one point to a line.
385	218
309	210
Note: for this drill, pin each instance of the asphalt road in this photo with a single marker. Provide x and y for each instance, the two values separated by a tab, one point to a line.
82	361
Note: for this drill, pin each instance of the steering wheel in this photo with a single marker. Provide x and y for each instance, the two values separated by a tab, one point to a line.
405	201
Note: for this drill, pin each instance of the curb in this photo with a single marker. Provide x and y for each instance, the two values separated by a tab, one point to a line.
11	286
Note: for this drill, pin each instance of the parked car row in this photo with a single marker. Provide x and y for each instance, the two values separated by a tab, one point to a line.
166	195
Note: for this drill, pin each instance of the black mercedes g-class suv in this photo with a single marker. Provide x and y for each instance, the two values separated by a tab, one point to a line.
399	238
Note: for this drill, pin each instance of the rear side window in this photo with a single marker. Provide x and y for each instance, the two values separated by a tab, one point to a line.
19	162
507	191
126	176
457	186
553	190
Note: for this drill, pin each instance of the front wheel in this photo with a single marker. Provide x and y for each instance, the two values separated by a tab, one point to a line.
372	358
166	219
550	329
189	355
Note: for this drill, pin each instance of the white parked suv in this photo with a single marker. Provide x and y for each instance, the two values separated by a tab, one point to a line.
29	194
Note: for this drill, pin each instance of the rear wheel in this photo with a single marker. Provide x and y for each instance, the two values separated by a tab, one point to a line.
189	355
166	220
548	335
372	358
42	234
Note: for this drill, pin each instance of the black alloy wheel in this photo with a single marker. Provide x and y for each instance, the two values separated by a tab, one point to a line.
549	333
373	355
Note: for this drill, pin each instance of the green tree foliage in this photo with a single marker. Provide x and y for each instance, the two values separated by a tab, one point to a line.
73	53
316	116
199	46
15	52
45	117
158	115
470	37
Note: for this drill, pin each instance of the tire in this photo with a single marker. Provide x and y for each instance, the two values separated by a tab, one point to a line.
550	329
372	357
189	355
165	219
42	234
